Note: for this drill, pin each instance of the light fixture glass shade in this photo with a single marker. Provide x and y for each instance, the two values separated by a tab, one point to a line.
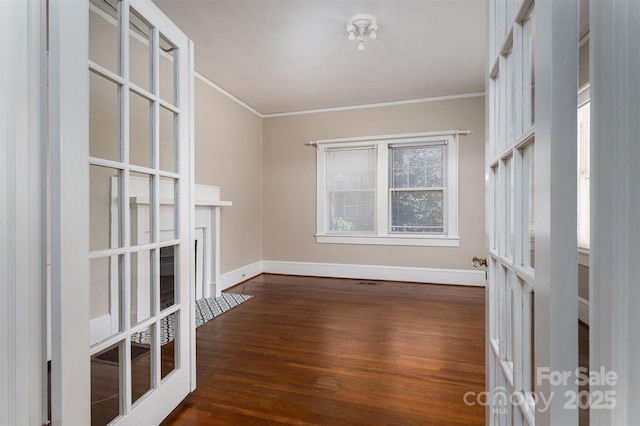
361	25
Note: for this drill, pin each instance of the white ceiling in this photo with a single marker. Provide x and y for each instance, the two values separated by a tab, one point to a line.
293	55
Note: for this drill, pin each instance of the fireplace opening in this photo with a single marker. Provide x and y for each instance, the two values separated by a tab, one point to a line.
167	276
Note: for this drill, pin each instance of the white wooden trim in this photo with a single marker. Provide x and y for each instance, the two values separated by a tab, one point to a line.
390	240
583	257
377	272
377	104
615	205
210	83
556	310
193	189
396	137
366	272
381	234
236	276
248	107
22	215
69	153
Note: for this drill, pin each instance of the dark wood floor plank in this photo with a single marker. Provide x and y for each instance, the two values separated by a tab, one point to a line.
330	351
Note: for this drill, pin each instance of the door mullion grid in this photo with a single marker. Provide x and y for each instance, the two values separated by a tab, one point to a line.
509	106
518	198
502	130
517	333
526	106
491	200
124	127
527	377
154	46
519	78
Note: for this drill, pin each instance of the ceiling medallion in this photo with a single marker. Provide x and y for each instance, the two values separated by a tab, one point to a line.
361	25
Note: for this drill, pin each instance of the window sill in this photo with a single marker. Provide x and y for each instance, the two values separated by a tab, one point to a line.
391	240
583	257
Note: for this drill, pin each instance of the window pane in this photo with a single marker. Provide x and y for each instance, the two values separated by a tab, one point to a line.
168	208
103	118
418	167
106	385
351	180
509	223
140	210
351	169
167	70
417	211
141	356
168	262
104	208
142	279
351	211
103	34
528	207
169	341
167	140
139	130
496	207
105	285
584	175
139	51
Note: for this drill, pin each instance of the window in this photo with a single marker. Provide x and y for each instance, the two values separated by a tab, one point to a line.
417	189
351	189
584	170
396	190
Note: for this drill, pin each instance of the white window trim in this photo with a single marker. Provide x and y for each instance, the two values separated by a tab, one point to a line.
382	235
584	97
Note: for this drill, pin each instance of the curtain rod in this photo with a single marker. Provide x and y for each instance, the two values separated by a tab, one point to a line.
395	136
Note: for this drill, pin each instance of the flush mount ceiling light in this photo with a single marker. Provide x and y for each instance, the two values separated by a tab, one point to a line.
361	25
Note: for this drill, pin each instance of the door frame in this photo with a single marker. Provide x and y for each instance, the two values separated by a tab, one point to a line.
615	208
23	272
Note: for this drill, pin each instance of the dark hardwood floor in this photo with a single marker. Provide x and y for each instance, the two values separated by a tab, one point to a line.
583	361
336	352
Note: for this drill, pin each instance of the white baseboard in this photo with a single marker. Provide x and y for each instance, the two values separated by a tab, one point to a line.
583	310
376	272
231	278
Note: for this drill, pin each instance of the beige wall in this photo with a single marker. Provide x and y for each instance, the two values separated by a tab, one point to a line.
290	182
583	64
228	150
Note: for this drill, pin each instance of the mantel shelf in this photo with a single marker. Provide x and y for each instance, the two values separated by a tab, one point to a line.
197	203
213	203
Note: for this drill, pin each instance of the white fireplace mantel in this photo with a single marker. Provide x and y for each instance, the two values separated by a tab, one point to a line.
207	205
207	235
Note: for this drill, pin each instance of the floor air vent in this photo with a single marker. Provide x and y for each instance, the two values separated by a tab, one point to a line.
367	283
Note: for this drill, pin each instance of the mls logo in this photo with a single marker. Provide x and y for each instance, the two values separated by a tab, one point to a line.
500	410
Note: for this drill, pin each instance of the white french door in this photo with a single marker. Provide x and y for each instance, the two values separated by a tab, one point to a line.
510	154
531	211
136	363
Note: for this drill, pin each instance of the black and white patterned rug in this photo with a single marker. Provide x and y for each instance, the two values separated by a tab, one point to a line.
206	310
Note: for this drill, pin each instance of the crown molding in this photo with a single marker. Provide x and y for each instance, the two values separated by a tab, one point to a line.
334	109
227	94
377	105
